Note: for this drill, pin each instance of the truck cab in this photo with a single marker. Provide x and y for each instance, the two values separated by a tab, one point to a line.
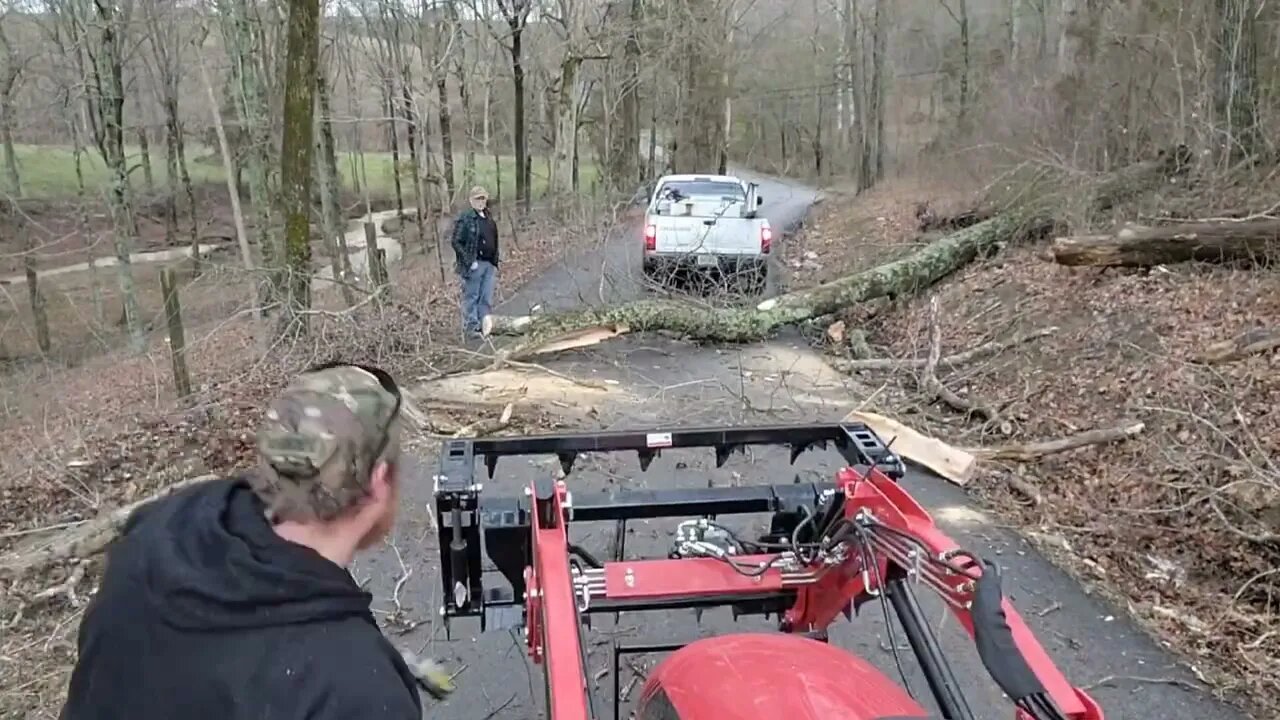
706	223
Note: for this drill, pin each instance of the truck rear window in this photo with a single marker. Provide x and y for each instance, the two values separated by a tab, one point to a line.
720	190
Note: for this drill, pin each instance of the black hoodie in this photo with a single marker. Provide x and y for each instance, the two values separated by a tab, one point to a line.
204	612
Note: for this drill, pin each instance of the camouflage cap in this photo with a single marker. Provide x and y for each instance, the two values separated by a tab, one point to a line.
321	439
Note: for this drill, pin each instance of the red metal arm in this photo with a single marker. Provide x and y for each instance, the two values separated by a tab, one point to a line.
553	623
822	592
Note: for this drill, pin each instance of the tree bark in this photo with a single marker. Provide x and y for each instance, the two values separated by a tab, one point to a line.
1255	240
905	276
296	153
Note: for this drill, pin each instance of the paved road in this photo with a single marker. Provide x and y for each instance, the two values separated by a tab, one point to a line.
655	382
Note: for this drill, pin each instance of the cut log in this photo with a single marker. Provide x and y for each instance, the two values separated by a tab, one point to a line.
951	463
1250	342
905	276
1256	241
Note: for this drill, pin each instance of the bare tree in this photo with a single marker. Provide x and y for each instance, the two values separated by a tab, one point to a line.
12	65
98	30
296	152
516	15
167	38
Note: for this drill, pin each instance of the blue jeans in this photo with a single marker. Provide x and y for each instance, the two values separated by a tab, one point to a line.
477	295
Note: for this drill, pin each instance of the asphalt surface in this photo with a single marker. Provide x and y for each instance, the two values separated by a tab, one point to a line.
659	383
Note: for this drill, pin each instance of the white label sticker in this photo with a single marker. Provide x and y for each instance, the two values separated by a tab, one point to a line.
658	440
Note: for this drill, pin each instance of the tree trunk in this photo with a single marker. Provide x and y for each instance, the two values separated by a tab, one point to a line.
1254	240
905	276
251	107
1076	42
296	150
623	171
175	145
464	94
228	165
108	109
1236	81
330	195
700	133
446	137
879	53
14	184
420	197
559	181
144	159
393	138
521	132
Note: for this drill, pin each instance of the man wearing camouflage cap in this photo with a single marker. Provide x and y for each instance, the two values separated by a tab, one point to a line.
231	598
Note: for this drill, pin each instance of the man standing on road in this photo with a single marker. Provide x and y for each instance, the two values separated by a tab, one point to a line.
475	247
231	599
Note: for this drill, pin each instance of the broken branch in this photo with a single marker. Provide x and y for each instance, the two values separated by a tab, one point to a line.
1027	452
1250	342
488	426
986	349
929	381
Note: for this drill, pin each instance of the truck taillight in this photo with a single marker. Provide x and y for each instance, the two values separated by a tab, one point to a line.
766	239
650	237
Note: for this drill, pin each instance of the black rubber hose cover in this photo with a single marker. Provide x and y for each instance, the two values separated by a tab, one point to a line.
994	639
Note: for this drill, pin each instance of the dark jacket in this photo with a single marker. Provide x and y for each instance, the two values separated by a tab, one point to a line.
204	612
466	240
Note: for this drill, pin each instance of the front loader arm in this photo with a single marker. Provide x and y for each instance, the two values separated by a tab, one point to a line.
891	543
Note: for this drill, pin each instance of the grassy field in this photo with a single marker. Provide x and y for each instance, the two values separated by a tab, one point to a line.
49	171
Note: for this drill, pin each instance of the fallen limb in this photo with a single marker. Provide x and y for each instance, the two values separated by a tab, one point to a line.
929	381
488	426
905	276
986	349
1028	452
1253	240
1250	342
82	541
949	462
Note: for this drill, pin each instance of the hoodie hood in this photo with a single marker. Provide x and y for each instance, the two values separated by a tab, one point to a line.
208	560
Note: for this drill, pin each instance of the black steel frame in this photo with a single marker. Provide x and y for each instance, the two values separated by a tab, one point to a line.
500	528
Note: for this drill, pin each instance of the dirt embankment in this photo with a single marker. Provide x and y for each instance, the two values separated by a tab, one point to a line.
1181	524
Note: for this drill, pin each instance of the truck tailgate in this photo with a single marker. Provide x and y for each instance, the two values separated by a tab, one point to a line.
706	235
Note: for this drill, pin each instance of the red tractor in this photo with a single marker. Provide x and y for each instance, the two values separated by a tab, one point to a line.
831	547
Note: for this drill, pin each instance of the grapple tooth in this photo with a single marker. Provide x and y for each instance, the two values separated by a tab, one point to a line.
566	461
796	451
697	615
491	464
646	459
722	454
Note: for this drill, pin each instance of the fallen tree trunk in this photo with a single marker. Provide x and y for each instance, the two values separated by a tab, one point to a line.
1253	240
81	541
905	276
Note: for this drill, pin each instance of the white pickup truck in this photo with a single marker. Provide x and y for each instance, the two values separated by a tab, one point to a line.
707	223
